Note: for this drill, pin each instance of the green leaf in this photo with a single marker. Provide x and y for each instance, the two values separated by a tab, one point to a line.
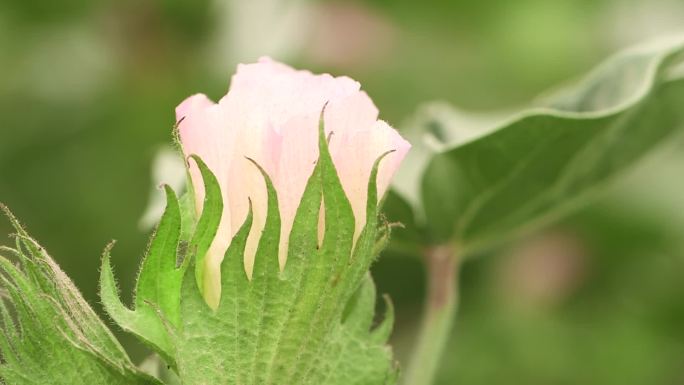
308	324
479	184
49	333
206	227
157	295
158	290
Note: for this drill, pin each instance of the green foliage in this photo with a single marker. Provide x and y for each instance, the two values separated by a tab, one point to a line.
49	333
308	324
478	184
207	224
158	290
158	285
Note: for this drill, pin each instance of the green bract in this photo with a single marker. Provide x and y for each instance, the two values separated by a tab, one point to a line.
473	182
49	333
308	324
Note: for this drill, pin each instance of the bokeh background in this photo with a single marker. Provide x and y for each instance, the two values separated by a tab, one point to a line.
88	88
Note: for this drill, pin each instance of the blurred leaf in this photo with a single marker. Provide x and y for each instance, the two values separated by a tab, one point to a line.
480	184
155	366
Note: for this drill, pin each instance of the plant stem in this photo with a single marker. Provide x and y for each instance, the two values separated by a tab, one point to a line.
440	310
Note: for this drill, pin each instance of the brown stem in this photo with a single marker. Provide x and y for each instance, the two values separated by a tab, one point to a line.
440	309
441	272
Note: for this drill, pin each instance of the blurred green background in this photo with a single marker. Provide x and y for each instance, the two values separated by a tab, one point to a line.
88	89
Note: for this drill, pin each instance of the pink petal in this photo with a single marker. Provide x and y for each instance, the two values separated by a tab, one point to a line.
270	115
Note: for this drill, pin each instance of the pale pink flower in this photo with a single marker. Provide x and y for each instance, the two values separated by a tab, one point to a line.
271	114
